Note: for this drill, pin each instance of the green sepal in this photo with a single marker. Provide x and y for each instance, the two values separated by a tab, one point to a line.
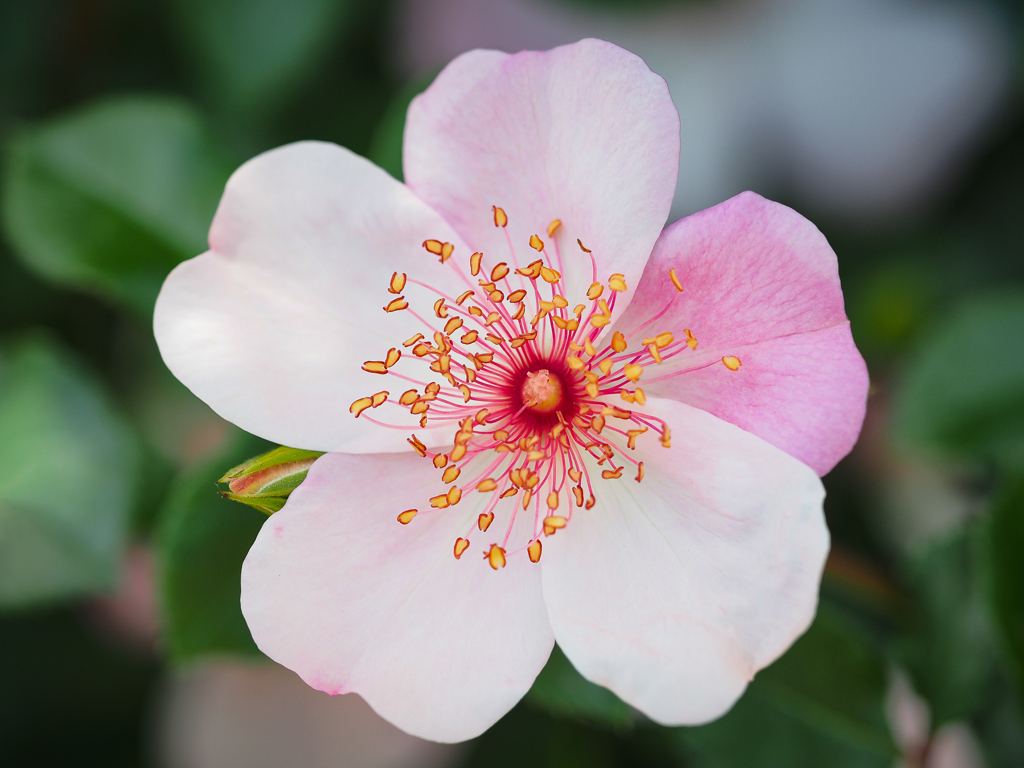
280	455
268	505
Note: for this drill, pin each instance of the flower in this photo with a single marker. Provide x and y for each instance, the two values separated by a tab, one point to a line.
545	417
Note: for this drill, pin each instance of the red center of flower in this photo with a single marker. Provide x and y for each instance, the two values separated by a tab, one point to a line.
542	392
533	388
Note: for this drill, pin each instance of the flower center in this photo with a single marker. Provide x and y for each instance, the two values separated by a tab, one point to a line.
527	389
542	392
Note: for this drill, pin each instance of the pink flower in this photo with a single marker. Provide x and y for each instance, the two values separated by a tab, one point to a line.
514	410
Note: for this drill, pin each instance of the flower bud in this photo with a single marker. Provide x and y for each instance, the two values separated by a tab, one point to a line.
265	482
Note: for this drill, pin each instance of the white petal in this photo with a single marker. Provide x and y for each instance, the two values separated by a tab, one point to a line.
272	325
338	591
675	591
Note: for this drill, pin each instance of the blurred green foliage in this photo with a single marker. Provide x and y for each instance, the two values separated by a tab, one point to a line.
122	120
70	466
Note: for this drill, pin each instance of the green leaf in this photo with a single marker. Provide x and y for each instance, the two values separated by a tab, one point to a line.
948	647
68	466
822	703
386	147
251	52
203	540
560	690
111	198
964	391
1006	573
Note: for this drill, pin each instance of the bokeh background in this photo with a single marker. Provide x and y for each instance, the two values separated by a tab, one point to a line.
895	125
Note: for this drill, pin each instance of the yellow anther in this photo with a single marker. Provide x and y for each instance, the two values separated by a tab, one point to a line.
618	413
458	452
474	263
397	284
421	350
492	318
553	226
419	407
440	309
529	336
605	366
500	219
499	272
597	423
578	310
618	342
583	247
495	339
575	363
454	494
557	430
481	416
469	337
486	485
553	523
509	492
675	280
440	502
476	311
641	398
516	296
600	321
360	405
393	356
550	275
628	396
495	556
546	306
460	547
408	397
731	362
577	491
484	521
467	394
406	517
632	371
461	300
433	246
500	436
485	357
633	435
589	348
517	343
590	502
470	373
639	472
662	340
666	438
417	446
592	389
375	366
612	474
412	340
451	474
536	243
653	349
560	302
496	296
379	399
396	304
604	307
519	312
552	500
691	342
617	282
432	389
594	291
534	550
527	498
453	325
536	456
575	474
446	251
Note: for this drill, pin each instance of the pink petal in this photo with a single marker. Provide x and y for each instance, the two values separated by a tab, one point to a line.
585	133
272	325
674	592
337	590
760	283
